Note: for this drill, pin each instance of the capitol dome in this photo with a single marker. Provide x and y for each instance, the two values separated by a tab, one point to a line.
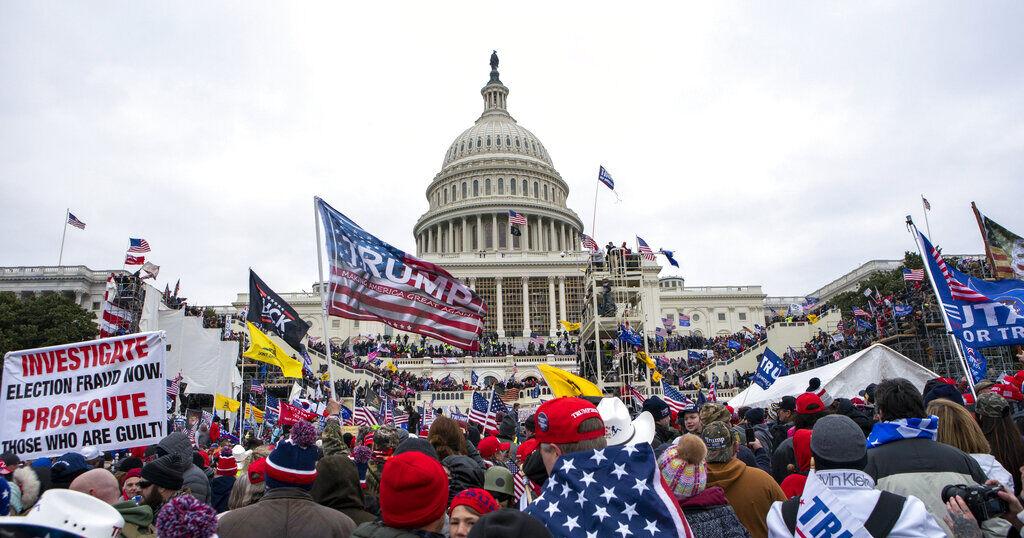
493	167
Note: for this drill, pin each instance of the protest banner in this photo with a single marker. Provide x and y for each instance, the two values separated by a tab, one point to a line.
108	394
289	414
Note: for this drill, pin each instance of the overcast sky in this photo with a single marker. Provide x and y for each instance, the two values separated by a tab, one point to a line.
766	143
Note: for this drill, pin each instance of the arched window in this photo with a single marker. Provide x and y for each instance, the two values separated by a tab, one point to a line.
488	140
476	188
478	141
517	141
536	190
462	146
512	186
453	193
508	141
501	186
487	186
446	196
497	140
465	191
526	188
545	191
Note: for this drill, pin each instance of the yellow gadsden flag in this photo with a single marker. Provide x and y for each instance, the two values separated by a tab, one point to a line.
390	365
263	349
223	403
563	383
570	326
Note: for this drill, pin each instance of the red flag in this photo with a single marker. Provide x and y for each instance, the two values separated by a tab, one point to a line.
289	414
134	260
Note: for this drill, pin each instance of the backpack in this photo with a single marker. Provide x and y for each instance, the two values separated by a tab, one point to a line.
880	522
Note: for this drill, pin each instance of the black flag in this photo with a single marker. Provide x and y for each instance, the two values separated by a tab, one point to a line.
268	311
514	230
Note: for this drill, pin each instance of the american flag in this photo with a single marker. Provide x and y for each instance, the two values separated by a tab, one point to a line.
613	491
256	387
712	393
675	399
451	312
207	418
588	242
860	312
604	177
913	275
957	289
134	260
516	218
365	416
174	386
73	220
640	398
138	245
388	411
926	203
510	395
273	409
645	249
313	340
498	406
428	414
518	479
481	413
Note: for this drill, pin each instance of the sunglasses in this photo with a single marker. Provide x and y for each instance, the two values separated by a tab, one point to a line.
143	484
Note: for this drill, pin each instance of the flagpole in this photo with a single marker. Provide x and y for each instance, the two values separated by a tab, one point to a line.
938	298
593	222
926	225
323	300
67	213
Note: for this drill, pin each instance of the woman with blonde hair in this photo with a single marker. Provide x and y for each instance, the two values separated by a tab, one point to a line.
446	437
958	428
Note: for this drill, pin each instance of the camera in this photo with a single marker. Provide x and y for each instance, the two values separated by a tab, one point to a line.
983	501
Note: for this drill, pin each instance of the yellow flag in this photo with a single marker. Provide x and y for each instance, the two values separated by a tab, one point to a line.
563	383
813	318
656	376
223	403
643	356
254	413
263	349
390	365
570	326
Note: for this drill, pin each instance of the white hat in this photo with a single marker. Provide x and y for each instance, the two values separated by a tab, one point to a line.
619	429
91	453
72	512
240	453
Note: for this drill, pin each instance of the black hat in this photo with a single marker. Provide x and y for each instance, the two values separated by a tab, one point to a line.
754	415
508	523
657	407
788	403
164	472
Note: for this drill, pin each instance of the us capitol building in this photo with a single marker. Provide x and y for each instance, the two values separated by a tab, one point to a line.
529	281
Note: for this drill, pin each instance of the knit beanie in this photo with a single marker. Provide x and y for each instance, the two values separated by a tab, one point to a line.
479	500
684	468
943	391
293	462
165	472
186	517
413	491
226	464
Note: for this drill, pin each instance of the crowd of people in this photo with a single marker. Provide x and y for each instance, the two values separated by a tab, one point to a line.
895	460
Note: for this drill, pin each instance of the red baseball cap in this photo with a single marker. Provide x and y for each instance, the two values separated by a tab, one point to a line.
809	403
489	445
526	448
558	421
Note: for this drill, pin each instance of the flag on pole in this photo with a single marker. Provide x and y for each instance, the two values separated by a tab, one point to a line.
645	249
588	242
927	204
958	290
273	314
138	245
134	260
150	270
365	416
675	399
263	349
712	392
481	413
374	281
913	275
516	218
604	177
73	220
1005	249
256	387
669	256
226	404
640	398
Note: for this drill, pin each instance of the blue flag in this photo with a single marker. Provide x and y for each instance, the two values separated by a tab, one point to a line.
732	344
473	378
977	362
864	325
981	313
668	256
535	393
604	177
695	355
770	369
902	310
630	336
346	415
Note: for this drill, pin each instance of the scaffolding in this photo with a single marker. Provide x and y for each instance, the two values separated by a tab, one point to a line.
128	299
614	296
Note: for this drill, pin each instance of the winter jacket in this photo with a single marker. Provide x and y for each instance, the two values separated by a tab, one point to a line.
760	459
464	473
138	520
220	490
855	490
474	454
845	407
196	481
922	467
332	439
750	492
663	434
710	515
337	487
992	469
378	530
763	433
28	486
782	458
285	513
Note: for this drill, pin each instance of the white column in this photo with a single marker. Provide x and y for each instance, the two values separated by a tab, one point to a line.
508	237
526	306
464	247
430	243
472	283
552	242
494	232
451	235
551	305
500	316
479	233
561	298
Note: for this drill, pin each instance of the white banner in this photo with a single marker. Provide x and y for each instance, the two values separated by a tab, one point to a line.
109	394
445	360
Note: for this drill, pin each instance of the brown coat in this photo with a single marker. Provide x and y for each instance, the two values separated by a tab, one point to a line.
285	513
750	492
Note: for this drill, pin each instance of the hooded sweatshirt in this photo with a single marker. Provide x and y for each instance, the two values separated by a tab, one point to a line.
749	490
337	487
138	520
464	474
195	479
709	514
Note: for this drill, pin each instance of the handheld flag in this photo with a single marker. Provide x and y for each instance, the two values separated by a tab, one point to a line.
226	404
976	362
374	281
390	365
263	349
570	326
913	275
134	260
271	313
770	369
644	249
563	383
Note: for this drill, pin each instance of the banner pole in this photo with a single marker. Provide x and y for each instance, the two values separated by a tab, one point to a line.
938	298
60	257
323	300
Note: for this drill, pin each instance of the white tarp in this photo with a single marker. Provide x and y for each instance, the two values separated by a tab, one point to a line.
206	363
150	318
841	379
